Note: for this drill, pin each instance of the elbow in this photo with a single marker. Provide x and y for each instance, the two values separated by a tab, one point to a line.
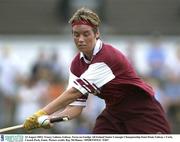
74	111
73	94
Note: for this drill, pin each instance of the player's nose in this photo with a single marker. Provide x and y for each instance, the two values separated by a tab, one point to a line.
81	38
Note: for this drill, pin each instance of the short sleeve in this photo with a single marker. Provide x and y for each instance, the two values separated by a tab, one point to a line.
82	101
93	78
97	75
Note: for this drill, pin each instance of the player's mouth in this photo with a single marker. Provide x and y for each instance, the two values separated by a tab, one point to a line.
82	46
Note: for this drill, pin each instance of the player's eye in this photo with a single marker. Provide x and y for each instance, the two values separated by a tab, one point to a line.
75	34
86	34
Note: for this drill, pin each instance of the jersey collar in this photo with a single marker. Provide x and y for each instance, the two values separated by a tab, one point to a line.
97	48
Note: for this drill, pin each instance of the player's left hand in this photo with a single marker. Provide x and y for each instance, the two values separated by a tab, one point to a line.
32	121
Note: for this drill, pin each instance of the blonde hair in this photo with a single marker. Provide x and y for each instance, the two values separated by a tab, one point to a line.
87	15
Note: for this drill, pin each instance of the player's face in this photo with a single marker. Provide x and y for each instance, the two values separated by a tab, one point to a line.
85	38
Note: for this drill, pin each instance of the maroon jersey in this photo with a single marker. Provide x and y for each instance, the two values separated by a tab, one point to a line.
110	76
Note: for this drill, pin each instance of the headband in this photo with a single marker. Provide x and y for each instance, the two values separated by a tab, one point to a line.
83	22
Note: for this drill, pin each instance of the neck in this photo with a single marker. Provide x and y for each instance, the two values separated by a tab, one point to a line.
88	56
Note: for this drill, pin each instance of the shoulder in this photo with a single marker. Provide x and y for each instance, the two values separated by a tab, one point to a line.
76	58
78	66
75	62
110	54
110	51
113	58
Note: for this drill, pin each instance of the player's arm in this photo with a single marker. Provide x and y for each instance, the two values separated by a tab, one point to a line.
89	82
70	111
60	102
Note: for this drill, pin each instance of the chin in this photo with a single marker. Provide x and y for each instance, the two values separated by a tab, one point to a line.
82	48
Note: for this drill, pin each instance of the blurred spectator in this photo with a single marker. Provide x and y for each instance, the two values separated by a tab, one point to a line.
173	62
30	97
159	92
156	57
172	90
172	83
40	68
55	67
9	74
55	88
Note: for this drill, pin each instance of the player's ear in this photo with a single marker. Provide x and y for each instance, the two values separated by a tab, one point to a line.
97	34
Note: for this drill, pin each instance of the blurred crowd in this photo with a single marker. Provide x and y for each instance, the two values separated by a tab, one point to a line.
23	94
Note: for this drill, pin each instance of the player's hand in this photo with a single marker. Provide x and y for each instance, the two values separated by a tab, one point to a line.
32	121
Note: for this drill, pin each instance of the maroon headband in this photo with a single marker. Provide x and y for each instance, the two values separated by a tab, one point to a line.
82	22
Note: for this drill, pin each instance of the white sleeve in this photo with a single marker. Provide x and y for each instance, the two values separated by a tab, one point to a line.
72	77
93	78
80	101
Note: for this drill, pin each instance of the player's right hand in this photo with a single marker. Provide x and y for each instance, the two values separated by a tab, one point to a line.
32	121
